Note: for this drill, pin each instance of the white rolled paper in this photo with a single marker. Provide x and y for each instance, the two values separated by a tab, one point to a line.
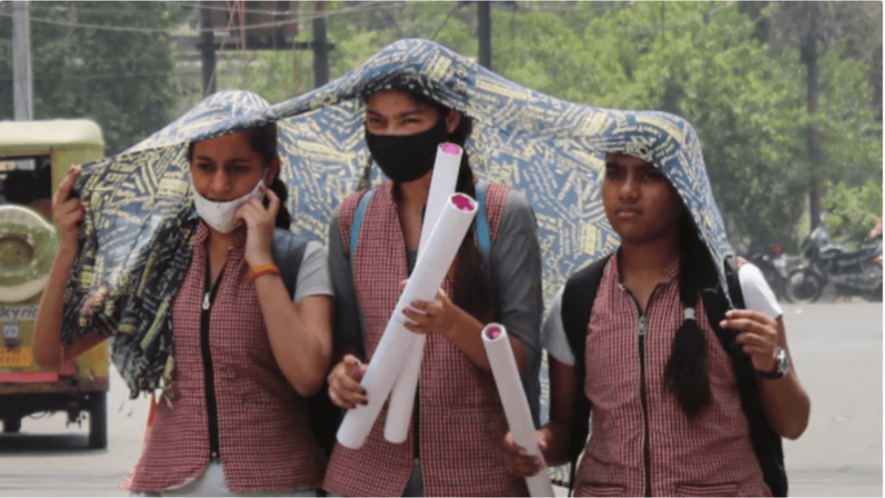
402	398
442	186
428	275
516	406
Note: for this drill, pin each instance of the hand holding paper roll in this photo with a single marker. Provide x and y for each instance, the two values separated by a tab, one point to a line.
345	390
427	277
439	316
516	406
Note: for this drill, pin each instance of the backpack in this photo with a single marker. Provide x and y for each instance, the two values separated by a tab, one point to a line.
323	416
531	383
577	302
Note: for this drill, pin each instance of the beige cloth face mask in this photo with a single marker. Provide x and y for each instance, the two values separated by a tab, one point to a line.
220	215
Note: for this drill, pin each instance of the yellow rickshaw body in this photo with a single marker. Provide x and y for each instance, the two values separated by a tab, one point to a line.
55	144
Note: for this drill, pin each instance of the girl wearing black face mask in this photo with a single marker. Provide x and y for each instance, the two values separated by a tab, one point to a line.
458	422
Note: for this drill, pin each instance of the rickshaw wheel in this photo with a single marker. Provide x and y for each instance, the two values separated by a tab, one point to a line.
12	425
98	421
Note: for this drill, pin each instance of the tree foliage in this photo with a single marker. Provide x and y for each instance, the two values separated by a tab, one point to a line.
852	211
735	72
120	79
734	69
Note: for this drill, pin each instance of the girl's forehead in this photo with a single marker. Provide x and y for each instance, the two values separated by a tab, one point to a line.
391	97
396	101
227	139
626	160
237	144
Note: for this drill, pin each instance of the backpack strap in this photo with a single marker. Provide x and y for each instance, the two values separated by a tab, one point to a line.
287	252
577	304
530	379
732	267
358	222
483	235
355	226
767	444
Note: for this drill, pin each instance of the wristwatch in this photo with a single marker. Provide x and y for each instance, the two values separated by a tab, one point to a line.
781	366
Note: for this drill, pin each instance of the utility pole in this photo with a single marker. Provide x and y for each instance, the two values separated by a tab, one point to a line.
484	32
809	57
279	35
207	48
320	47
22	88
268	31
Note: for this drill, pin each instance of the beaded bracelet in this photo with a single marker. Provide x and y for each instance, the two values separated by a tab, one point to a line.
261	270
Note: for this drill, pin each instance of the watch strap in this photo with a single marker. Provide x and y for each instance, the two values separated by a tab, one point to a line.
781	367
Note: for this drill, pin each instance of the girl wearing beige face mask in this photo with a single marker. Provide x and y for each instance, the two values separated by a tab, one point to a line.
247	349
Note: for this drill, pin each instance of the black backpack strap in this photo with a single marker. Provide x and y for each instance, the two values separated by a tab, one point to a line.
577	303
767	444
734	283
287	250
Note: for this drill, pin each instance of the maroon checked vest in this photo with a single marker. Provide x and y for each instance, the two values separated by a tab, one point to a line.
462	423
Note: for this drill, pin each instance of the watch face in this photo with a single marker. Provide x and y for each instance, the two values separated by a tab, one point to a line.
783	361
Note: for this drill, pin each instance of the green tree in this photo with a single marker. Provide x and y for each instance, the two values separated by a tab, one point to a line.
698	60
846	33
360	34
121	79
275	75
358	30
852	211
734	70
707	62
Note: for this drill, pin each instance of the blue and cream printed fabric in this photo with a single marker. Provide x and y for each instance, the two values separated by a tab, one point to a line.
550	149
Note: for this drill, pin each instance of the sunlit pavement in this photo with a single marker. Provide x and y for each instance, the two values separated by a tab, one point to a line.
837	351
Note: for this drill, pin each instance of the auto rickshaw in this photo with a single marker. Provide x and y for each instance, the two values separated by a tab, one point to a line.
34	156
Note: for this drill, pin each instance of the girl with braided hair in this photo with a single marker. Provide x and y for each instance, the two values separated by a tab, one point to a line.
665	377
458	419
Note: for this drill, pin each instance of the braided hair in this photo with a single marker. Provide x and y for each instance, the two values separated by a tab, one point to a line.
685	374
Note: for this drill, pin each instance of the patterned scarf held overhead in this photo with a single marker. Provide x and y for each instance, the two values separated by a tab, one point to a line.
139	234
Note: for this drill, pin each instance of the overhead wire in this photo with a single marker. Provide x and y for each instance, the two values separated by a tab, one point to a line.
390	5
575	7
275	24
193	5
445	21
199	5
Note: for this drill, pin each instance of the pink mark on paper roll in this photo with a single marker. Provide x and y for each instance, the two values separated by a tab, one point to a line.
494	332
450	148
462	202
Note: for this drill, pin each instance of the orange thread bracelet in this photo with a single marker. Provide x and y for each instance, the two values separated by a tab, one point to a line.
261	270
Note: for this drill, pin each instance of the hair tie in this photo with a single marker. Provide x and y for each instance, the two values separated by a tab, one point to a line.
690	314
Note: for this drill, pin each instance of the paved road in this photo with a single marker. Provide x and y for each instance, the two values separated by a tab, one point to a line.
837	349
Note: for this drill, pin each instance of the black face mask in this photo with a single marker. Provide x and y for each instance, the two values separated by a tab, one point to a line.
406	158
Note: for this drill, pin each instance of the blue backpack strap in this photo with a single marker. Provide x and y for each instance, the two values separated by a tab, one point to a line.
358	221
354	240
530	379
482	222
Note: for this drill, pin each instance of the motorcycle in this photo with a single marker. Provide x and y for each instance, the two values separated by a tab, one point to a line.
772	262
852	273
